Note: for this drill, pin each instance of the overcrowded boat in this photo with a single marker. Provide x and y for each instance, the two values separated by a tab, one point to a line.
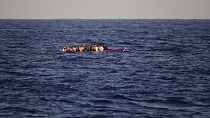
102	47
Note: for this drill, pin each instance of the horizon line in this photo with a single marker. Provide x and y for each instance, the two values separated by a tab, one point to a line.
104	18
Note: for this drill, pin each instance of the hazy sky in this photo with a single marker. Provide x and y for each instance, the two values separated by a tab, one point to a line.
109	9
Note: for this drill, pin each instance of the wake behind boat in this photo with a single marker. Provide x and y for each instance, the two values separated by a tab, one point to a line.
92	48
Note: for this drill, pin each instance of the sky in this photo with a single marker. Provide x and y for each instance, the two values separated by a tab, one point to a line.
104	9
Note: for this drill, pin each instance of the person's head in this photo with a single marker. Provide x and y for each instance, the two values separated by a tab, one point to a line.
101	48
81	48
70	49
64	49
93	47
96	49
74	49
104	44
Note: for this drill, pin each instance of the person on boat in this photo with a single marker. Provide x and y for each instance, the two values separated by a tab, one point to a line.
93	47
87	48
64	49
81	48
104	46
97	49
101	48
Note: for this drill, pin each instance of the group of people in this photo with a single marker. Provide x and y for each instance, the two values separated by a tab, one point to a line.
82	48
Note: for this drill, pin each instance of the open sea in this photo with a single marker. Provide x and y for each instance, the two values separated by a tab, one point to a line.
164	73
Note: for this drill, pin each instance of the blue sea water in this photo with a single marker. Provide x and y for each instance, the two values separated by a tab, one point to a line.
164	73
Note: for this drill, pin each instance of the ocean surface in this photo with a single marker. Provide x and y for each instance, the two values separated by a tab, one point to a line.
164	73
